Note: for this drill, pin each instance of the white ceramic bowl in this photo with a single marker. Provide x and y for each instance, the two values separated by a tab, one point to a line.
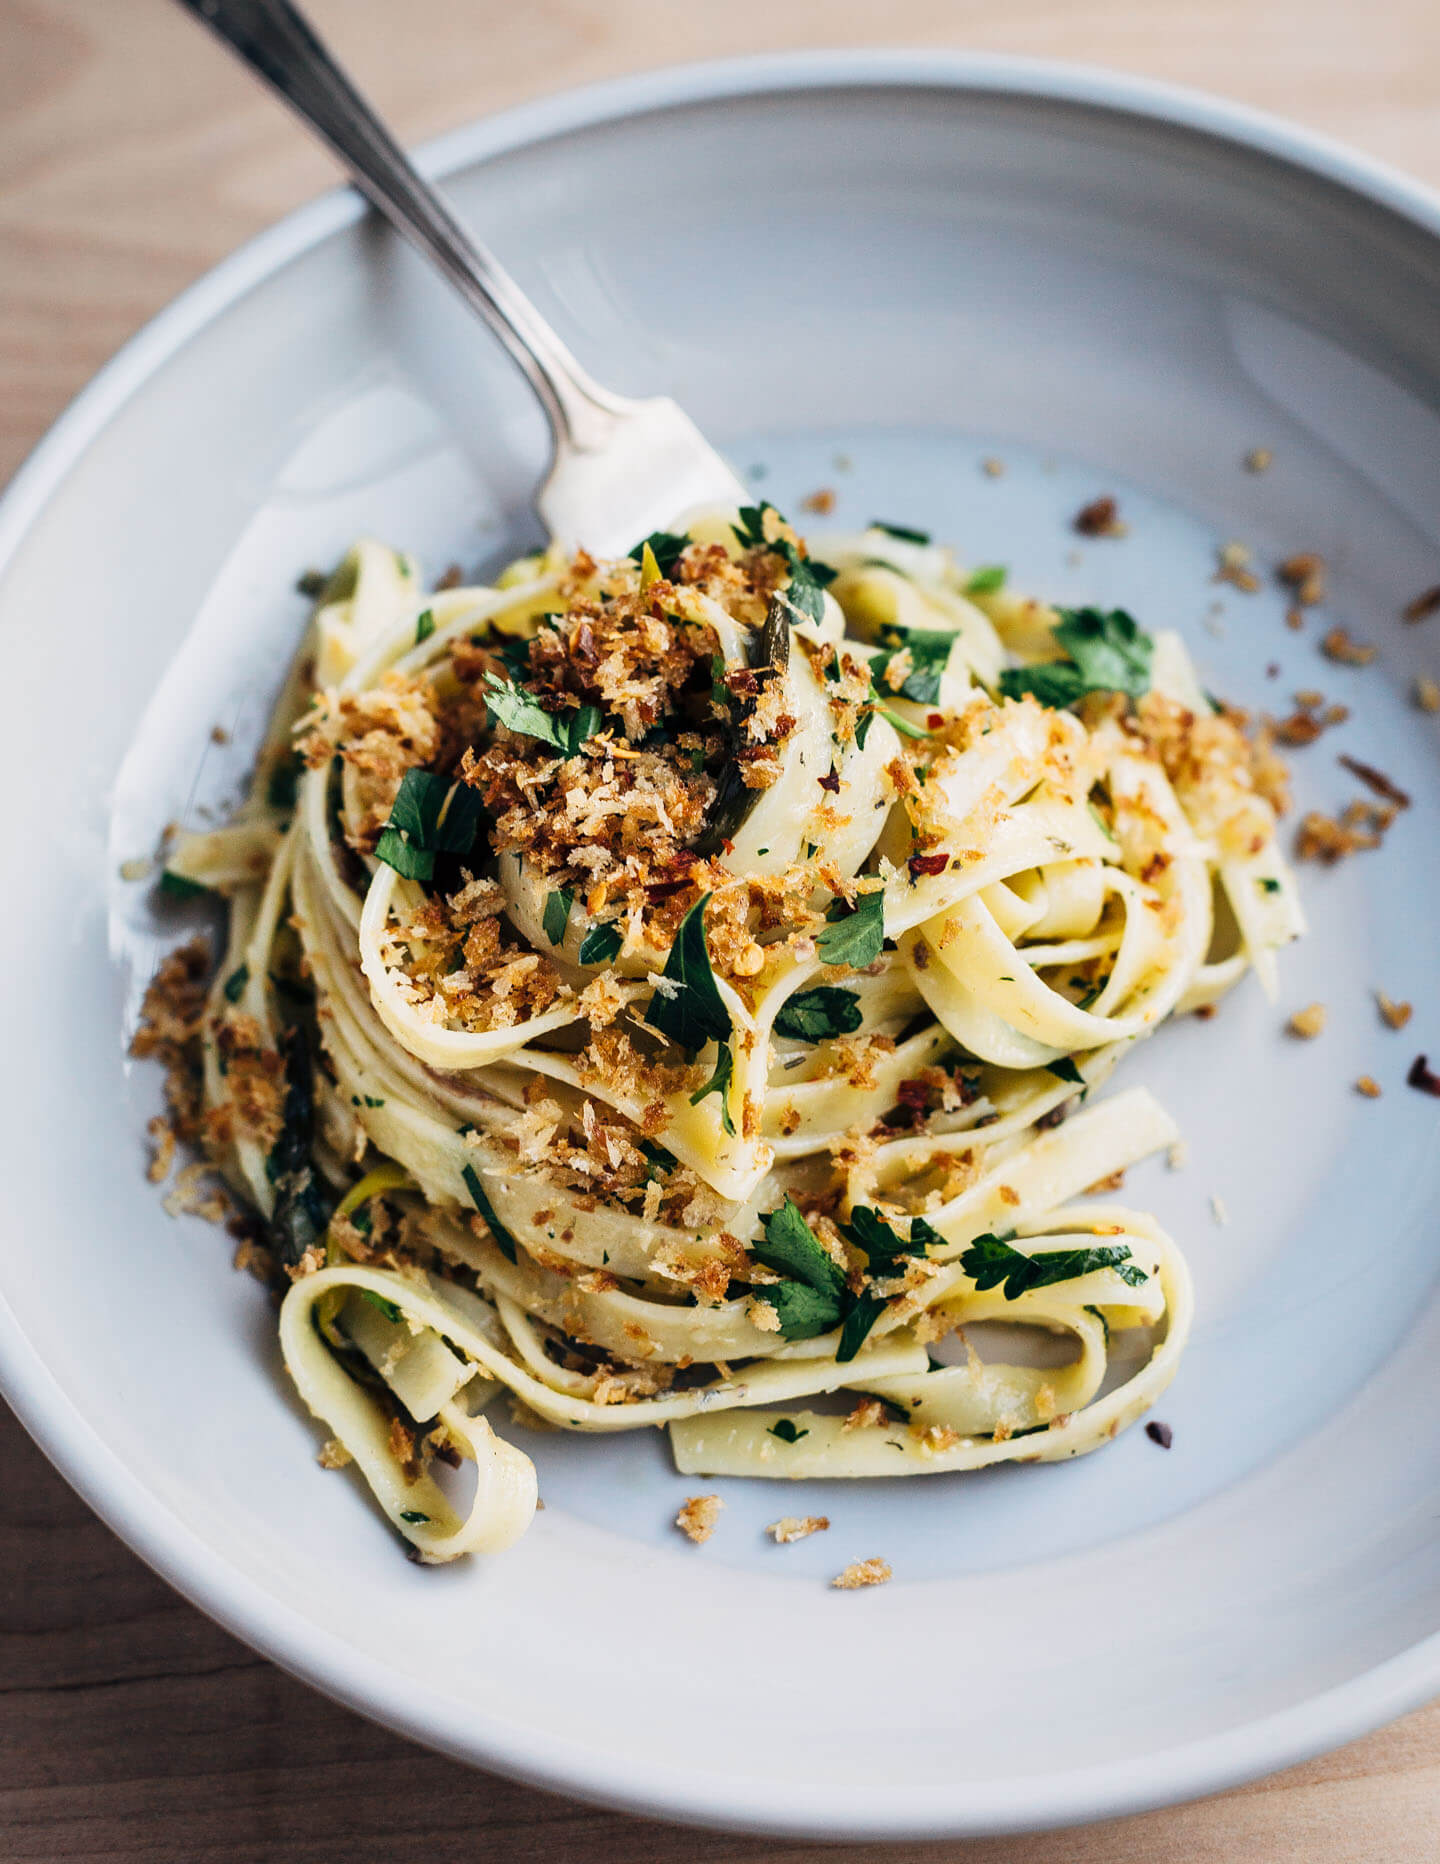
913	260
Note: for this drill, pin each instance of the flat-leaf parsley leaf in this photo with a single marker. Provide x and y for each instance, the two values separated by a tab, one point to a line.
693	1012
989	1262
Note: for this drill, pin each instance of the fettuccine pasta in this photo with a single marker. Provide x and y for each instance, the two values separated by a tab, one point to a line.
675	993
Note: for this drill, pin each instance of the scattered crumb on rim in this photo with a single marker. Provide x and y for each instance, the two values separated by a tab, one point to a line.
860	1573
1338	646
697	1519
1394	1015
1304	575
1426	604
796	1527
1368	1086
1233	567
1309	1022
1101	518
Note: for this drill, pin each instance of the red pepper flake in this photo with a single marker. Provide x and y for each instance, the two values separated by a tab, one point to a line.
1377	781
1420	1076
934	720
1426	604
1160	1433
928	864
831	783
913	1093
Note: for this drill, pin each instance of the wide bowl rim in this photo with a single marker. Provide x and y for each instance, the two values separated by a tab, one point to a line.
1208	1765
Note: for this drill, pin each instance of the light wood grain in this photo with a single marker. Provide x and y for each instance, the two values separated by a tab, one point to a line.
132	156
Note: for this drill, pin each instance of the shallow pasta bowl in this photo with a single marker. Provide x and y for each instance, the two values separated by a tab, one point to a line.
965	294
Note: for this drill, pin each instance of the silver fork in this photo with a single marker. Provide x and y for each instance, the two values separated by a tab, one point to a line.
621	468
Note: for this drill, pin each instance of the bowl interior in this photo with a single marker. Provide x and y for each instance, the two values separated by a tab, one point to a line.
870	287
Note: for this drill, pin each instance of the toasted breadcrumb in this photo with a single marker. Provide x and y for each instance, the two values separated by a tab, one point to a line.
821	502
797	1527
162	1155
993	468
1426	604
333	1454
862	1573
1177	1156
697	1519
1308	1022
195	1194
1368	1086
1304	573
1427	695
1233	567
866	1415
1337	645
1258	459
1101	518
1393	1015
1324	838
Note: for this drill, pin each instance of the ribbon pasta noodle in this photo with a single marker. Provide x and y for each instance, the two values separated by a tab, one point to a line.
675	992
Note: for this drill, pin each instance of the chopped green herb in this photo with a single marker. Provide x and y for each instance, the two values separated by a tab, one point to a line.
857	936
311	583
424	625
660	1159
557	914
719	1083
691	1012
884	1250
371	1101
509	705
1099	1315
504	1241
1065	1070
902	531
814	1297
989	1262
387	1308
1269	883
929	650
235	983
666	546
986	580
902	725
1108	652
816	1015
786	1431
181	886
808	577
429	816
810	1300
414	1517
601	944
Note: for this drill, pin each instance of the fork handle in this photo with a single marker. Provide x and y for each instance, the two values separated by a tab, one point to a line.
278	43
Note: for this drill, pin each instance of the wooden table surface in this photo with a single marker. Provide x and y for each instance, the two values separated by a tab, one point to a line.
132	156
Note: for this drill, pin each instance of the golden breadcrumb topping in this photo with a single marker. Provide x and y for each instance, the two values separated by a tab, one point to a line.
697	1519
873	1572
